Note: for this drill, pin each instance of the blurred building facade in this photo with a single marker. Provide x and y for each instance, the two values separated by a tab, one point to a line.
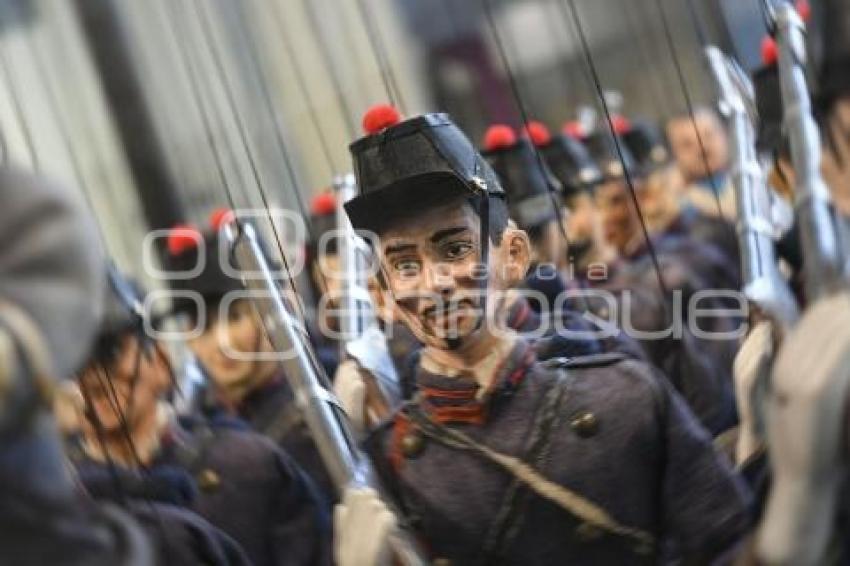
257	100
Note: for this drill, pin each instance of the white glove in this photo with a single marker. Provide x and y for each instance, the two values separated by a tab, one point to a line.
751	362
806	425
362	524
350	390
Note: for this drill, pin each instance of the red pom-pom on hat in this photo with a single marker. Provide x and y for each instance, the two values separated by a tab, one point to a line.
538	133
221	216
621	124
574	129
380	117
323	204
183	237
769	51
499	136
804	9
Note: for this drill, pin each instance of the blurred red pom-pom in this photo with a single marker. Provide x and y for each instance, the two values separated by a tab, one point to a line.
769	51
538	133
323	204
380	117
221	216
499	136
574	129
804	9
183	237
621	124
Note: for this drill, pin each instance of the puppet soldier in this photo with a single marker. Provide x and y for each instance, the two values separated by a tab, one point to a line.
646	144
695	352
701	150
531	192
134	447
323	263
500	458
577	172
235	353
805	519
327	276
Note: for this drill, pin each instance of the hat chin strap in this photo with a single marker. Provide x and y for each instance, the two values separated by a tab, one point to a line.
484	217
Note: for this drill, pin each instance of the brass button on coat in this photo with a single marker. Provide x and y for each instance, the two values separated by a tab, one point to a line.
412	444
585	424
208	480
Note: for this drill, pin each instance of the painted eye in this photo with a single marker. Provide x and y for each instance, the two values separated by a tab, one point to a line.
237	312
457	250
406	267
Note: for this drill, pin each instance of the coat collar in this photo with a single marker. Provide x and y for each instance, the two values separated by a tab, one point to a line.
452	396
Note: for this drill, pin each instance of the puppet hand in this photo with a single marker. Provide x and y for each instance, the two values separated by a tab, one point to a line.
752	362
362	523
350	389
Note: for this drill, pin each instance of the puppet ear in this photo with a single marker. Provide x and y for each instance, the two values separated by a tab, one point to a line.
516	252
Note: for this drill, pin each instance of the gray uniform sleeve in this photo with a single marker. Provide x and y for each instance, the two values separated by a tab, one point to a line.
51	266
51	287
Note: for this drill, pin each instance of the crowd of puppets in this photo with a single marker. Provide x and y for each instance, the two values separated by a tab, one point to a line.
578	363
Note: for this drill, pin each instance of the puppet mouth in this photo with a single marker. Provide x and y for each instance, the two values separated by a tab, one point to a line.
449	319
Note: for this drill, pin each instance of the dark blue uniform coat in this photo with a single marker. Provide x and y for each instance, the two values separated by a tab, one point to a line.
620	437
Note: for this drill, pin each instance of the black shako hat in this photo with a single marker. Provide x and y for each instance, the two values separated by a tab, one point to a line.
195	264
125	313
396	158
646	143
571	163
524	178
834	68
603	149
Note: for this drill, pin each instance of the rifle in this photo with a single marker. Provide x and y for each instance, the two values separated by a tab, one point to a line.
820	230
347	465
192	386
764	285
363	339
808	411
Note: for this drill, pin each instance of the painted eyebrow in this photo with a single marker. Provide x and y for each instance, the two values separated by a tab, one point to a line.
399	248
447	232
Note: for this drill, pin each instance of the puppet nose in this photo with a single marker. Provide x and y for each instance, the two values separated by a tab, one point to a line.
439	279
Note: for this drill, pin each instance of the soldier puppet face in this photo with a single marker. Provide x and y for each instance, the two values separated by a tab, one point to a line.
329	278
688	138
620	224
547	243
581	221
231	349
432	266
124	389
